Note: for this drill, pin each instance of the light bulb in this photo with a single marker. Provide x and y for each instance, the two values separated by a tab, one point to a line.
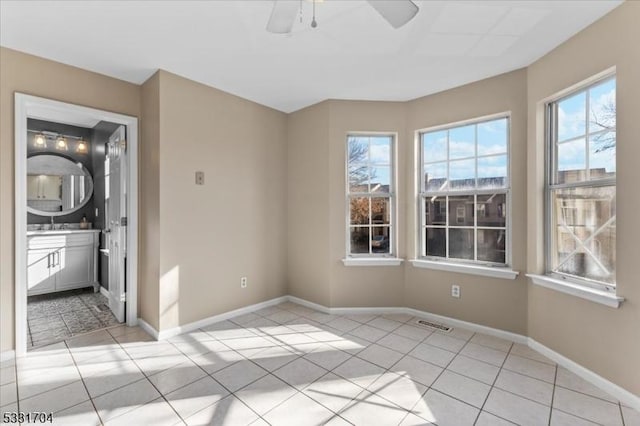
40	141
82	147
61	144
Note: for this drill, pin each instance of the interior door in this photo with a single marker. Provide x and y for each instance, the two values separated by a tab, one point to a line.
116	220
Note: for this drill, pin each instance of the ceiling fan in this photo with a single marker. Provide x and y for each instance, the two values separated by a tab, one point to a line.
395	12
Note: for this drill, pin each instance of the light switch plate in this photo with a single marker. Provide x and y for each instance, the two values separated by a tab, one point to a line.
199	178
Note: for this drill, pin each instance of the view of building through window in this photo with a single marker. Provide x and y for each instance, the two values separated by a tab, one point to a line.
370	192
582	184
464	192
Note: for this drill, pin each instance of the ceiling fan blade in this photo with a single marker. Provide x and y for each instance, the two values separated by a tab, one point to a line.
282	16
396	12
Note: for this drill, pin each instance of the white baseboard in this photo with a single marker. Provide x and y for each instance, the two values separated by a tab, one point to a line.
478	328
104	292
165	334
611	388
7	355
148	328
514	337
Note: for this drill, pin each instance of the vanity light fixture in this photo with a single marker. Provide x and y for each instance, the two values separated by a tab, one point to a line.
40	141
61	144
81	148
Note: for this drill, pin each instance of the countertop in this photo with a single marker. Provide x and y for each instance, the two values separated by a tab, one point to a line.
61	231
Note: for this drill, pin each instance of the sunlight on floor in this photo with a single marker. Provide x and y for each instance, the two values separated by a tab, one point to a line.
288	364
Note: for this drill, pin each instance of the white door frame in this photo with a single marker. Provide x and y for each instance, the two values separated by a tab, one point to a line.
27	106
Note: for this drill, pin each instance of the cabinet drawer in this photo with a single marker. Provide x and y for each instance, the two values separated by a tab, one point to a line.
61	240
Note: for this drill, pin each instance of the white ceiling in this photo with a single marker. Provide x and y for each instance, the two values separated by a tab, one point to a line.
353	54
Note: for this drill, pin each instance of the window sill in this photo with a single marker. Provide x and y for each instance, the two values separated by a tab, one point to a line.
372	261
598	296
487	271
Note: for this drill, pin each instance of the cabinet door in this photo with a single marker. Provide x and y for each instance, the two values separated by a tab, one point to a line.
33	187
75	267
51	187
40	272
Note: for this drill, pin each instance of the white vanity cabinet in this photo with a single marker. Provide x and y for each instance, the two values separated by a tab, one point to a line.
61	260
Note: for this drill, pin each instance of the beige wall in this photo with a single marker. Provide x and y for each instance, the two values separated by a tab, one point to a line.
493	302
28	74
149	175
234	225
602	339
307	203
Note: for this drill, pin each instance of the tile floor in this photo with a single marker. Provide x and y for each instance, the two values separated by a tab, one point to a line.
54	317
290	365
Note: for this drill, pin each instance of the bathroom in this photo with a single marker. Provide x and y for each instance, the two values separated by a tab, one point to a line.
75	199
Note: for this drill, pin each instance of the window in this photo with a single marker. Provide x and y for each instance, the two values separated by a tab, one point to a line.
581	185
370	195
464	192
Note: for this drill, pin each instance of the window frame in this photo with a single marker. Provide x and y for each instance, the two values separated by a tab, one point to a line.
422	194
551	163
391	195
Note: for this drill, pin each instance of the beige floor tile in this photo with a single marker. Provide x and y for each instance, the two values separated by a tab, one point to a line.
264	394
192	398
525	386
517	409
531	368
332	391
443	410
417	370
587	407
463	388
432	354
299	410
229	411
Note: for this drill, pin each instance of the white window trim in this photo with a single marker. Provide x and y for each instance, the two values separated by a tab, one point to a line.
569	284
362	259
603	297
503	272
420	243
372	261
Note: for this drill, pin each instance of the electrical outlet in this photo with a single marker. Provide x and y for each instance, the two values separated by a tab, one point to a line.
243	282
455	291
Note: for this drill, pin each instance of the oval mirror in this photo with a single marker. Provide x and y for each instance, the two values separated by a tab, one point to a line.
56	185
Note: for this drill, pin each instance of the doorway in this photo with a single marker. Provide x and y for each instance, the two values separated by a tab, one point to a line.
58	263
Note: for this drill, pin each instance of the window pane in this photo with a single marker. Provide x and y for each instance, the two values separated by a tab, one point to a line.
380	150
462	142
461	243
492	137
380	179
435	211
435	176
491	245
434	146
461	211
462	174
602	155
571	162
380	239
602	106
584	227
492	172
380	211
358	178
436	242
359	211
360	240
571	117
492	210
